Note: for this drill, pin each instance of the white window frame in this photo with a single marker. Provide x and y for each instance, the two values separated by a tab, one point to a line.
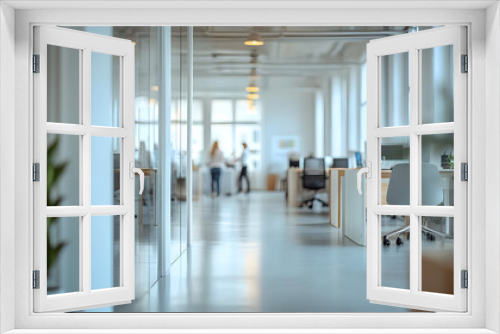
85	43
413	44
483	102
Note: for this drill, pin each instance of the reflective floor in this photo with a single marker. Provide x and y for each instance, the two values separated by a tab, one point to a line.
253	254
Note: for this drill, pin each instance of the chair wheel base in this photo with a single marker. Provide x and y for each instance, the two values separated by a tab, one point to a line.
399	241
387	242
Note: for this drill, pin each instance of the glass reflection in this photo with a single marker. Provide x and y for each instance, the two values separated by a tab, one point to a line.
394	90
437	170
63	85
395	170
63	255
105	252
437	84
395	253
105	89
63	170
437	254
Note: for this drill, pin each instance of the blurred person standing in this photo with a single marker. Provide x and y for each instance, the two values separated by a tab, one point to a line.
216	163
244	169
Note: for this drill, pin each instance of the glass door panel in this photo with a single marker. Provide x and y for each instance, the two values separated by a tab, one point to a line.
437	170
63	170
394	90
395	170
105	252
437	84
63	85
63	255
419	102
106	170
83	216
437	248
395	261
105	89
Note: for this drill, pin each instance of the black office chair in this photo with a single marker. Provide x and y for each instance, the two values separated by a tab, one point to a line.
314	178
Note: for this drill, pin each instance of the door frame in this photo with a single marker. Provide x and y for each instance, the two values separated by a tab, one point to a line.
477	317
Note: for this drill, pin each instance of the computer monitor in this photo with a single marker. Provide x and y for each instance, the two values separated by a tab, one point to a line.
340	163
359	161
293	163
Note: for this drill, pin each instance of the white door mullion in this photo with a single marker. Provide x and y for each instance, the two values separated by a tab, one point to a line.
86	167
414	169
372	189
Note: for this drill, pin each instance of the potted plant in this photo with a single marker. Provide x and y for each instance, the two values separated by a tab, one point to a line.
55	170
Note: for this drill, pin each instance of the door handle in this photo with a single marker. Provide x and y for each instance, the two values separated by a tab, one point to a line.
135	170
368	171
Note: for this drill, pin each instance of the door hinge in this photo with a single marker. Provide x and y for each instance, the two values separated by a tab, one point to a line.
465	279
465	64
36	63
36	279
36	172
464	171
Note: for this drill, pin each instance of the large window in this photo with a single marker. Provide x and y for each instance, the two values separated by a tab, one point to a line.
234	122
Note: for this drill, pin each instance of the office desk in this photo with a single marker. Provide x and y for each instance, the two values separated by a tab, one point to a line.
296	194
336	175
336	195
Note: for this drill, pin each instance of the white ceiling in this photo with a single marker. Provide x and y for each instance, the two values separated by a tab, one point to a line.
290	57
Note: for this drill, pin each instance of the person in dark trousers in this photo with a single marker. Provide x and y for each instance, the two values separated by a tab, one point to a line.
244	169
216	163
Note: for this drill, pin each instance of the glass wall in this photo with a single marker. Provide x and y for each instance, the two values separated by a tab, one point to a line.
160	151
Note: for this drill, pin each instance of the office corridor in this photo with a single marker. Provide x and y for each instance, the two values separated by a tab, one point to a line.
252	254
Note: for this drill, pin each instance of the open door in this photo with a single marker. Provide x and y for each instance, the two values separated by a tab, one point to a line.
416	185
83	170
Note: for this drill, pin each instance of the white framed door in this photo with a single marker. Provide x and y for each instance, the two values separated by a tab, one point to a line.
84	159
416	143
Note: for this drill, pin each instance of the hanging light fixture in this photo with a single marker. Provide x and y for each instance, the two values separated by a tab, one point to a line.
254	39
253	96
252	88
254	75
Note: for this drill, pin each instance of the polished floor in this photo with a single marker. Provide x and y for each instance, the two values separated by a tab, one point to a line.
253	254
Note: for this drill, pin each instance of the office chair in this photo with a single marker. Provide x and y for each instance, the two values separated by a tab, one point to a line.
314	178
398	193
340	163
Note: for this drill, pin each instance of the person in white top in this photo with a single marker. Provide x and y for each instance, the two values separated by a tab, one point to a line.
216	163
244	164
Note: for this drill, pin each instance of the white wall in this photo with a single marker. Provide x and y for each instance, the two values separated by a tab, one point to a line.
7	156
287	112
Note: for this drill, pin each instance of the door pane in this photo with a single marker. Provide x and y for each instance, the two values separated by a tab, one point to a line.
395	253
105	172
437	254
437	170
105	90
63	170
437	84
63	85
63	255
395	170
105	252
394	90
